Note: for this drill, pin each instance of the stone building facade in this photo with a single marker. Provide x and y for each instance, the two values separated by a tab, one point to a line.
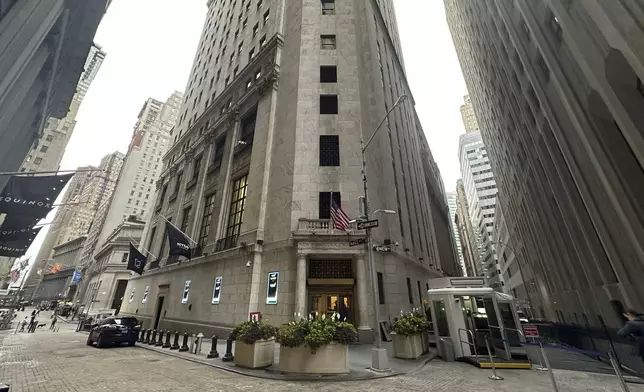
268	136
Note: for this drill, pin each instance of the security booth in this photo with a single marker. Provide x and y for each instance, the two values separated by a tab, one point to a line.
465	311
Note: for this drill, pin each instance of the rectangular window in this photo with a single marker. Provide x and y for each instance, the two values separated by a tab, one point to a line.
237	204
178	183
185	220
411	296
204	229
262	41
37	161
328	104
420	293
328	74
49	138
381	289
324	209
124	258
266	16
164	240
255	29
251	54
328	7
248	128
327	41
329	150
196	168
163	192
44	148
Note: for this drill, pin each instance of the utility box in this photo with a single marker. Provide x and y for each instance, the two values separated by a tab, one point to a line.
447	349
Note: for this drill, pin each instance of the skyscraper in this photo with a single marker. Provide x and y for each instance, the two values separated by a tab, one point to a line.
451	203
468	116
468	241
267	141
48	151
557	89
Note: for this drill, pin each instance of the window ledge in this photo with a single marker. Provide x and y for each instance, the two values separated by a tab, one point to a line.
214	166
191	183
173	197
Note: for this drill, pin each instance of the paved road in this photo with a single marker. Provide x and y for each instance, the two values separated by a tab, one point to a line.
61	362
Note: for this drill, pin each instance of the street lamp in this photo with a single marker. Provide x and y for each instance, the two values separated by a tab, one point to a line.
520	271
378	355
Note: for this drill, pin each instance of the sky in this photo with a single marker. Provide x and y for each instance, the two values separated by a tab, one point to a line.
151	45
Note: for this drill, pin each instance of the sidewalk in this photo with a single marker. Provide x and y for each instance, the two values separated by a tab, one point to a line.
359	362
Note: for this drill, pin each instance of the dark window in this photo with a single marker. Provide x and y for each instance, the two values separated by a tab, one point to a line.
204	230
196	168
262	41
329	150
325	204
185	219
411	296
163	192
328	7
640	87
248	128
381	289
151	243
37	161
44	148
237	204
177	185
328	104
420	293
49	138
164	240
328	74
124	258
327	41
266	15
219	150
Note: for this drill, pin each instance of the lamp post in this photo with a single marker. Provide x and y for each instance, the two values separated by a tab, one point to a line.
378	355
516	257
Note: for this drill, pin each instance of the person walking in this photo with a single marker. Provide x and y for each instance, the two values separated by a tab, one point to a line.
24	324
53	321
634	327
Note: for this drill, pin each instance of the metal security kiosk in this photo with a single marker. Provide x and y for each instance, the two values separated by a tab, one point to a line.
464	311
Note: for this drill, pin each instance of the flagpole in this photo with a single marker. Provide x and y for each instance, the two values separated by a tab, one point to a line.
141	246
180	231
331	212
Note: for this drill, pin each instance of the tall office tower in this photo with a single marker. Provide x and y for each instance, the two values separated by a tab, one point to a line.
86	192
481	192
48	151
135	189
557	89
268	149
468	116
451	203
43	46
466	233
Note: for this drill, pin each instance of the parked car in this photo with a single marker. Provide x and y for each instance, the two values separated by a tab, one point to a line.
114	330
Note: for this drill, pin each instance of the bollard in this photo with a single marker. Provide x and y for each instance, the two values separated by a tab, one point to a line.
160	340
199	343
213	348
618	372
545	362
141	335
192	343
167	340
494	376
147	336
175	344
153	341
184	345
228	356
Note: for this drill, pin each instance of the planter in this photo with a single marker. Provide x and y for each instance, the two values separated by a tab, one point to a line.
407	347
330	359
253	356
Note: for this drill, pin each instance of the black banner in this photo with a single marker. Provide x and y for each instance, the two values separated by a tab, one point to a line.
15	248
136	260
18	233
32	195
179	242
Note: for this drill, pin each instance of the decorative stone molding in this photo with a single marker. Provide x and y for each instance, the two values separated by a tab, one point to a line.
268	82
190	151
209	136
173	170
159	183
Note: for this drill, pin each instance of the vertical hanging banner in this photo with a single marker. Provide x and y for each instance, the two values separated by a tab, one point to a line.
131	295
186	292
216	290
32	195
272	288
145	294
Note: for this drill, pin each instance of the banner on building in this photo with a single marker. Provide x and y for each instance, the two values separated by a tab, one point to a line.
136	260
55	268
32	195
145	294
272	288
216	291
179	242
186	292
16	248
131	295
77	276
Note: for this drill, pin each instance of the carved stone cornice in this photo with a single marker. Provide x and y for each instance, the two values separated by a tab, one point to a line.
190	152
209	136
173	170
232	115
159	183
268	82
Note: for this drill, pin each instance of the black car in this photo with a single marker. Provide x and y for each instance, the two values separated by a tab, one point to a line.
114	330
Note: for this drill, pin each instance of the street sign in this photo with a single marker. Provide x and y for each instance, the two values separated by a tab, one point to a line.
530	331
382	248
367	224
357	242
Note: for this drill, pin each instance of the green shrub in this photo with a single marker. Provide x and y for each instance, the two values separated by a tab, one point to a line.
410	324
250	332
315	333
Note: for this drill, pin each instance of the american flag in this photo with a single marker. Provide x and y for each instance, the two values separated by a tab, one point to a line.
340	218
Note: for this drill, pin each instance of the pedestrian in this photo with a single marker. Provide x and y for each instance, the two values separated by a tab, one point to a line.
32	323
634	327
53	322
24	323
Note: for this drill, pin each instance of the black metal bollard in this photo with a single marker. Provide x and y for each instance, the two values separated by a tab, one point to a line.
167	339
213	348
175	344
141	336
160	340
147	336
184	345
153	341
228	357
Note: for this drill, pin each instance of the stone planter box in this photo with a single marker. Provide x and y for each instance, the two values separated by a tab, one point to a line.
407	347
253	356
330	359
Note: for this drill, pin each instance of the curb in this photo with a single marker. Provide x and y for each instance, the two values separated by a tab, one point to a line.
283	377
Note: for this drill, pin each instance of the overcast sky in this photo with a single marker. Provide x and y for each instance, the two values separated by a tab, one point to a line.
151	44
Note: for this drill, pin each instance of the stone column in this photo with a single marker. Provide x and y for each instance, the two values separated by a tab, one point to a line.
362	287
300	286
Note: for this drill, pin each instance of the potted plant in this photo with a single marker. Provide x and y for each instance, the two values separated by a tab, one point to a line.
407	335
318	346
254	344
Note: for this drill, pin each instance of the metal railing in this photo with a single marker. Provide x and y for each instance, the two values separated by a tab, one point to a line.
461	341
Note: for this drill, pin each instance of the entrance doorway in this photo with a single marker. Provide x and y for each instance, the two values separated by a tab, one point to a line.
157	314
327	303
117	300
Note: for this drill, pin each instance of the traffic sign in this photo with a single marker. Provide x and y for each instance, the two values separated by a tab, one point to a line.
382	248
357	242
367	224
530	331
